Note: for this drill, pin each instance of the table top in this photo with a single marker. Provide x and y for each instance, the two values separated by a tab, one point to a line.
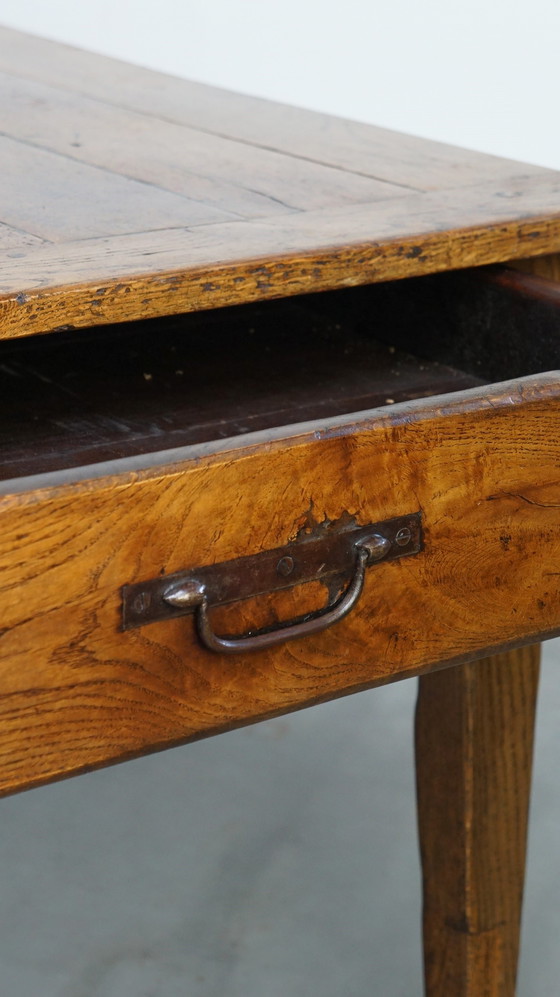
127	193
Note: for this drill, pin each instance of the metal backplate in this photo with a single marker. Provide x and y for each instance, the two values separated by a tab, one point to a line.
327	554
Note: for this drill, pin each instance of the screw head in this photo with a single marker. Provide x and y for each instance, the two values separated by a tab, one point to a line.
403	537
285	566
141	603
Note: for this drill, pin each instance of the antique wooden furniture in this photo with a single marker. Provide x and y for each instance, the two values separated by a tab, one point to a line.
202	426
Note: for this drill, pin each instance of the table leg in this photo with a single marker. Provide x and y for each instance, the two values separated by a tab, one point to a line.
474	745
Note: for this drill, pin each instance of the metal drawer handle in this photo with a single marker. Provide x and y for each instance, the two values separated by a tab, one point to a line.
327	552
189	595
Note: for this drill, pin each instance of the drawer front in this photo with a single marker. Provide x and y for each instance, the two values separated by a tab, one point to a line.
77	691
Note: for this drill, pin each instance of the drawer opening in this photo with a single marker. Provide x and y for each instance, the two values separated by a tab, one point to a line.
71	399
497	322
78	398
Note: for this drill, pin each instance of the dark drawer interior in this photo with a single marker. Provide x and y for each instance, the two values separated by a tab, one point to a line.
496	323
74	398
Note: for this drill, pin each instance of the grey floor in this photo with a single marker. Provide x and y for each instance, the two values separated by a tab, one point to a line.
277	861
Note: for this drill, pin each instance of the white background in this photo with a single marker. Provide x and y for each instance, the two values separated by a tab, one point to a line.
483	74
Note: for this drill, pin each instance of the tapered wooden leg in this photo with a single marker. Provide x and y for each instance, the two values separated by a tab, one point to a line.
474	745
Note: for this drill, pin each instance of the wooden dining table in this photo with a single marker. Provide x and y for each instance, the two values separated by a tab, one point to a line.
280	423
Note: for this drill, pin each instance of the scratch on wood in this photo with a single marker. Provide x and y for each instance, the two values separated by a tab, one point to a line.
541	505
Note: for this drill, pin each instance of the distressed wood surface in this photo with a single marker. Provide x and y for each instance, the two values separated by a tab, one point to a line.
245	180
131	194
77	692
402	160
474	746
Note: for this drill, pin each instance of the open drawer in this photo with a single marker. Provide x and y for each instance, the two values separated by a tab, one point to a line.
135	455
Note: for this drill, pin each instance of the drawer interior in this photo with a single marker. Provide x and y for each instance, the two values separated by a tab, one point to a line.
479	469
496	323
79	397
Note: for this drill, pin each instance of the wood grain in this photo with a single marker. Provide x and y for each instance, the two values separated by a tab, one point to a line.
60	200
13	240
544	266
474	745
234	176
98	281
129	195
77	692
407	160
162	196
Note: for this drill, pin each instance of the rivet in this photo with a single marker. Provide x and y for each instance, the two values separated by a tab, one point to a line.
285	566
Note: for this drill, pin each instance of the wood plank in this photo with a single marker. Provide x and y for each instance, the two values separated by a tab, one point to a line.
76	691
474	745
168	272
544	266
230	175
56	198
360	148
13	238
